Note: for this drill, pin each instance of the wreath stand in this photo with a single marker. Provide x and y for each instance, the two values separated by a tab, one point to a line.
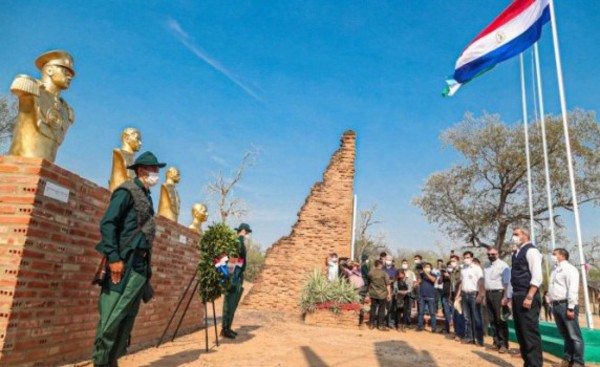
196	286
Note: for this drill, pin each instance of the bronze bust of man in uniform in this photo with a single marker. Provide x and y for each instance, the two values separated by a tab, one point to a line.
44	117
169	204
131	143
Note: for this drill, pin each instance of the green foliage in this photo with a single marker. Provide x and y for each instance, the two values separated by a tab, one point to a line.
255	259
319	290
485	192
218	239
8	119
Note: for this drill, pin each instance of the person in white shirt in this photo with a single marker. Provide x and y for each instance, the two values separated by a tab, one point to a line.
472	293
525	279
563	294
332	266
496	278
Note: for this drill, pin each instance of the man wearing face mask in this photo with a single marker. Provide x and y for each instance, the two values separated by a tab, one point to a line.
427	297
332	266
526	278
563	292
392	272
472	293
457	317
236	289
496	278
411	280
127	230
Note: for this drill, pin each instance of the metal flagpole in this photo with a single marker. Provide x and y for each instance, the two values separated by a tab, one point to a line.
563	107
527	155
540	95
353	228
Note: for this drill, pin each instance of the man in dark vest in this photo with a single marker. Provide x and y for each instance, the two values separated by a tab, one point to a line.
127	230
235	290
526	278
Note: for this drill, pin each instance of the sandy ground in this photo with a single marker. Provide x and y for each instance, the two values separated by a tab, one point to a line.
272	339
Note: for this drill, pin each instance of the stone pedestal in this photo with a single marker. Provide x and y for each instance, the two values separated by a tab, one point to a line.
48	229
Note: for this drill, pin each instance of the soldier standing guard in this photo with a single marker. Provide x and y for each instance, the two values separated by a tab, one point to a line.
235	290
127	230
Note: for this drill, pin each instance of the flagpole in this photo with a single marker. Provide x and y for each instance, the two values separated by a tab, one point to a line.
527	155
352	245
563	107
540	96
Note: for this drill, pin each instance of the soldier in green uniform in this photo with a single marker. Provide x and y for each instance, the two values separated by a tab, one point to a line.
235	290
127	230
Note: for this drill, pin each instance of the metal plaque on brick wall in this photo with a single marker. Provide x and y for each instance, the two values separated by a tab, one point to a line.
56	192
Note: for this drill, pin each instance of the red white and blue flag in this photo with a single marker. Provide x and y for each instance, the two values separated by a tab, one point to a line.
517	28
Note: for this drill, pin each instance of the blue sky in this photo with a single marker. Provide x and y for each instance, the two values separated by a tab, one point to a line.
204	81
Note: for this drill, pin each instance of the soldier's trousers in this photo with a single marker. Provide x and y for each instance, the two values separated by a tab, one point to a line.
231	302
117	315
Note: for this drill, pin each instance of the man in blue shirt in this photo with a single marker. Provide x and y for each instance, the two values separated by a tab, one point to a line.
427	296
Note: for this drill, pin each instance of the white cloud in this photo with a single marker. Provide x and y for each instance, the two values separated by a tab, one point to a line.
187	41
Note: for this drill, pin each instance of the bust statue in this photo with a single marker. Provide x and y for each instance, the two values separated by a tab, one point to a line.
131	142
199	216
44	117
168	205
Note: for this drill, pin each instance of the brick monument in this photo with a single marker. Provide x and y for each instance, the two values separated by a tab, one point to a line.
324	225
48	229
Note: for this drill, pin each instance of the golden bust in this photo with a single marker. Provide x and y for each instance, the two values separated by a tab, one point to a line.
168	204
131	142
199	216
44	117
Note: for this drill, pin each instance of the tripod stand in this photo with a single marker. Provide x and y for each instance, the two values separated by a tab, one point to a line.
196	286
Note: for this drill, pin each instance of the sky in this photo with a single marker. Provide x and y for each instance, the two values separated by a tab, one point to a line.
205	81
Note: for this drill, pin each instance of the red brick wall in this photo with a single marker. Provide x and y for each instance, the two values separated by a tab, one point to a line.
48	308
324	225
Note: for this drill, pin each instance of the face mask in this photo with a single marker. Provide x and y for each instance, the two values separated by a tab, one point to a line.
404	266
468	261
516	240
492	258
388	262
427	270
450	269
417	262
554	258
334	259
152	179
454	264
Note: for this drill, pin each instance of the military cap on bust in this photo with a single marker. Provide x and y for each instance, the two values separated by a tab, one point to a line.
56	57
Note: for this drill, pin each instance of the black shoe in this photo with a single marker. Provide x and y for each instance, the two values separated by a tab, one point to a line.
226	333
419	329
233	332
113	363
383	328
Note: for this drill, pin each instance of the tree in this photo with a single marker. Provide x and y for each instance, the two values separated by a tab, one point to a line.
220	191
8	119
366	242
480	197
255	259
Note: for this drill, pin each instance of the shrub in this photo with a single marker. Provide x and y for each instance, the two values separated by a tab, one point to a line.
318	290
218	239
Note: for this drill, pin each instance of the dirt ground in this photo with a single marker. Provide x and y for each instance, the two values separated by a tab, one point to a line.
272	339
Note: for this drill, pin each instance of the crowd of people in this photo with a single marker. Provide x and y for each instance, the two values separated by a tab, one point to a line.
472	297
